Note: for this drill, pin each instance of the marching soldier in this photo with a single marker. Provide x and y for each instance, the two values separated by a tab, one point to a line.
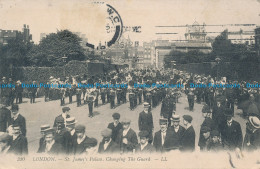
140	93
118	95
90	100
112	98
167	107
78	95
149	98
32	93
131	97
145	121
191	100
62	96
47	93
144	147
127	138
103	95
96	94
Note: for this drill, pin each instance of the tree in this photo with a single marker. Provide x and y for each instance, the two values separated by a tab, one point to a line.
51	49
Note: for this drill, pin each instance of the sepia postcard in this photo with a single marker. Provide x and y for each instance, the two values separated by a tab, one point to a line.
125	84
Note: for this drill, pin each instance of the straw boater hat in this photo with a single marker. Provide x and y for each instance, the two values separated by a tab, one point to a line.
70	121
255	122
45	127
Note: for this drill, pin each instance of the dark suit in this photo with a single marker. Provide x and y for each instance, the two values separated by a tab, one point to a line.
212	125
20	121
115	130
41	144
111	148
55	149
80	148
55	121
5	117
19	146
68	142
157	141
174	138
253	139
145	122
188	140
231	136
131	138
147	149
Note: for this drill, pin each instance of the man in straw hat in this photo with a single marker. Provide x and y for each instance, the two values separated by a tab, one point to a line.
44	128
145	121
252	136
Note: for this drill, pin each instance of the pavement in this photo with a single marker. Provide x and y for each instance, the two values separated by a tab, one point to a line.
42	112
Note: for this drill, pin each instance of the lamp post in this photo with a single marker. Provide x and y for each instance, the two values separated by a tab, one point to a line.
218	61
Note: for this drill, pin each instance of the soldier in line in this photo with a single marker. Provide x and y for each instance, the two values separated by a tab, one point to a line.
127	138
33	93
131	97
47	93
62	96
145	121
118	95
103	95
107	145
19	143
167	107
115	126
90	100
188	139
96	93
191	100
19	92
44	128
112	96
144	147
78	95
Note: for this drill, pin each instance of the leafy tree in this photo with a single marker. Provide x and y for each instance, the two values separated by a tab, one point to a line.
51	49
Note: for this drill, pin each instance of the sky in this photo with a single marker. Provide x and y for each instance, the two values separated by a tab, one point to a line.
89	17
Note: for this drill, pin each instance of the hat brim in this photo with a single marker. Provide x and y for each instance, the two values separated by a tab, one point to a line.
71	123
250	118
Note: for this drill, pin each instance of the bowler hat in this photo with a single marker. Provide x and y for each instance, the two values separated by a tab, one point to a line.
80	128
64	109
116	116
206	109
163	121
106	133
14	107
187	118
143	134
205	129
228	112
255	122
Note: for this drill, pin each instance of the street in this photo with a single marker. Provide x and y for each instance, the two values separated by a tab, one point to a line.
45	112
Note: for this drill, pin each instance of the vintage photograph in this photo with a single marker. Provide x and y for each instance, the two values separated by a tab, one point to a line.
130	84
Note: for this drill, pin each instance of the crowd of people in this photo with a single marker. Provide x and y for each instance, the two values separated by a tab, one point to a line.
218	132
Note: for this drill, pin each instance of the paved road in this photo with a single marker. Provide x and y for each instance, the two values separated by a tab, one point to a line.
45	112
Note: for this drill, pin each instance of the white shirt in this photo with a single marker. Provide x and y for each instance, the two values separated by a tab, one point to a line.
176	129
229	123
143	146
106	144
163	134
72	132
80	140
125	131
49	146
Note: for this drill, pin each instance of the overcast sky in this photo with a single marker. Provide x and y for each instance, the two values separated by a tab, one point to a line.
87	17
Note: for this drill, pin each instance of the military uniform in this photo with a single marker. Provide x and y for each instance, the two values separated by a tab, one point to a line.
78	95
191	100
